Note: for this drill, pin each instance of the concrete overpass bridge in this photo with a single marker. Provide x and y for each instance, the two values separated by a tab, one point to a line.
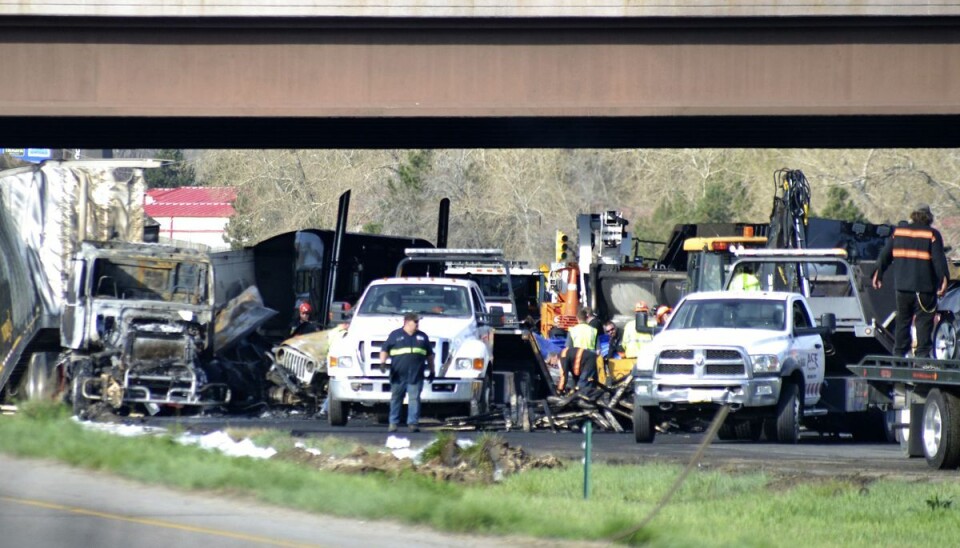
479	73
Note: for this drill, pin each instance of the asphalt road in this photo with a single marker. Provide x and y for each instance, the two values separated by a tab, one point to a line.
49	505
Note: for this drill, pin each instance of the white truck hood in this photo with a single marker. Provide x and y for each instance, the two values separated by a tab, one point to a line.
434	326
747	338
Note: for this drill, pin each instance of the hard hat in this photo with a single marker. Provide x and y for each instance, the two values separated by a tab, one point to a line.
641	307
305	308
662	312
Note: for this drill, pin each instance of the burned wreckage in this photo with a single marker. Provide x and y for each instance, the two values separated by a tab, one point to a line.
90	312
137	321
95	313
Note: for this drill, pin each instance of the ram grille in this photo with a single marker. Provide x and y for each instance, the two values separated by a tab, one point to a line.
702	362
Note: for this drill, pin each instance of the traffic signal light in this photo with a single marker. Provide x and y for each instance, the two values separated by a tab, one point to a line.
563	247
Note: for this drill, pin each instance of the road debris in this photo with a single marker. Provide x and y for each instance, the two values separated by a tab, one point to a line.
487	460
608	407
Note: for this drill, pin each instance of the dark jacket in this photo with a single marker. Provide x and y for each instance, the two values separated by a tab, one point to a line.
578	367
409	355
303	328
916	252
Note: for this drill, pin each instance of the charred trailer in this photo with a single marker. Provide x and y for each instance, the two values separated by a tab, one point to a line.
46	211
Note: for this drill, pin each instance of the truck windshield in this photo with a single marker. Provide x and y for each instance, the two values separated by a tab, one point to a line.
168	281
729	313
426	300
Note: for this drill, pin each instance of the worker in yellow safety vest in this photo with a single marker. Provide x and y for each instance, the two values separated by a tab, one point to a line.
744	281
633	341
582	335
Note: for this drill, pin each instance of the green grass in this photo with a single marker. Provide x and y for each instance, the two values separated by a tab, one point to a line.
710	509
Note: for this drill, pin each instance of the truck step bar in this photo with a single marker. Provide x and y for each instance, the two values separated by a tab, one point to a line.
910	370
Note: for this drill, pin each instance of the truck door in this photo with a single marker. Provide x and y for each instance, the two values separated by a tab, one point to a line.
809	350
484	331
71	321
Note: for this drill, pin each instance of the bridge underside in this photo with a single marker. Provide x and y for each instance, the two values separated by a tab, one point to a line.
355	83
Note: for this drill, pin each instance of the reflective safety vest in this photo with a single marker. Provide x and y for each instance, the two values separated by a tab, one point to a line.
408	350
583	336
633	341
744	281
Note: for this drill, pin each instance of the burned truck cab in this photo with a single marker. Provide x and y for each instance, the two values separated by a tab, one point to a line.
138	320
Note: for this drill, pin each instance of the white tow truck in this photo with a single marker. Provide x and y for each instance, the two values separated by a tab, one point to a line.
452	313
760	352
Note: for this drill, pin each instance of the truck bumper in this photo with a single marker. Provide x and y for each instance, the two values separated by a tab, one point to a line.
375	390
757	392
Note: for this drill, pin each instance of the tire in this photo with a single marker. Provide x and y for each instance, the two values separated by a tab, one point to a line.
727	432
945	344
941	430
42	377
643	431
750	430
482	405
789	411
336	412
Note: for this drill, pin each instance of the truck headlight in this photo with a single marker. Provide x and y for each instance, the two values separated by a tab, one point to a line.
342	361
765	363
468	363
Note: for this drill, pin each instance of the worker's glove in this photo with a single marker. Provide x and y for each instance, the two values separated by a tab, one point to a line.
383	368
429	375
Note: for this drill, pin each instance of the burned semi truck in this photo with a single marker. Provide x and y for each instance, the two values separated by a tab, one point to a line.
86	309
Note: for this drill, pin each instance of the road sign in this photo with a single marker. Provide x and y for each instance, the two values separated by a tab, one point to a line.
28	154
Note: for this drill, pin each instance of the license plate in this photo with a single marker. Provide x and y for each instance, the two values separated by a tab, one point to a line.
699	396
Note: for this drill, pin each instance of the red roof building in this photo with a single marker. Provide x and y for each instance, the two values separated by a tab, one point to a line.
192	214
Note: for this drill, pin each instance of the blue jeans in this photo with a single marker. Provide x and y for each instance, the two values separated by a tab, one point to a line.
397	391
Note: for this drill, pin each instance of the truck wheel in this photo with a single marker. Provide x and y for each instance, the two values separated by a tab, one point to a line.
481	406
42	377
941	431
750	430
336	412
788	414
643	430
727	432
945	340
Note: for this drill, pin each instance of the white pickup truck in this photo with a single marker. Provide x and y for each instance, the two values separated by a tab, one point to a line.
760	352
452	313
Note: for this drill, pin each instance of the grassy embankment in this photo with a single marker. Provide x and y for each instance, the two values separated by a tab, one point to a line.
711	509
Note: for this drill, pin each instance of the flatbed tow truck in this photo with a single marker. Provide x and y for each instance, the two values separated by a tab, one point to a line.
926	398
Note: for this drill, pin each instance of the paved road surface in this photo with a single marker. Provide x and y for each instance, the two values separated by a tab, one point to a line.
47	505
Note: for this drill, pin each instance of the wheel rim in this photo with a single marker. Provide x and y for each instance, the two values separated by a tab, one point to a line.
932	429
945	341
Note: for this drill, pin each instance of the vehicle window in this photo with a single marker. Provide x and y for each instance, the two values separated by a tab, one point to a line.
800	318
729	313
425	299
155	281
477	301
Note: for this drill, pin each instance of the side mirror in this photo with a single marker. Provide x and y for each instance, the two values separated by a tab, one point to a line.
496	316
828	324
828	321
642	325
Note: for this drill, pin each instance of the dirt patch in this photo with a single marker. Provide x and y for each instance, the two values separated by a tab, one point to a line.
489	460
785	482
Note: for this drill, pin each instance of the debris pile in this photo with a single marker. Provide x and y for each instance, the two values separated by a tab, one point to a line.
488	460
608	407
